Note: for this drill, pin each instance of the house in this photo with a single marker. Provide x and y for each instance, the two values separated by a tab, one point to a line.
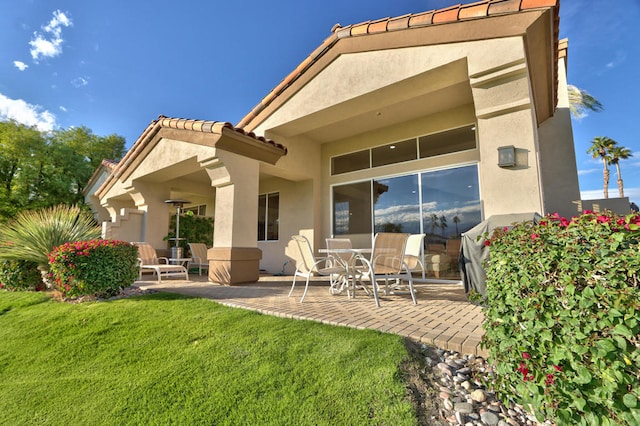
426	122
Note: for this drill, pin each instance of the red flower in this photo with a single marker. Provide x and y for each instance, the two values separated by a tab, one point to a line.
535	236
526	355
487	243
549	380
557	368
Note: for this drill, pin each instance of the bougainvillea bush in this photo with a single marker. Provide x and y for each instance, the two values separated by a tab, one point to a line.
562	317
20	275
96	267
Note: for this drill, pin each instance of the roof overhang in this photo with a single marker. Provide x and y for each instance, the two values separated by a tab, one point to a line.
214	134
537	26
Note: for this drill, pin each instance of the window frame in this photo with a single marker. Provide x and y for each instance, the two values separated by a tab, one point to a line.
264	234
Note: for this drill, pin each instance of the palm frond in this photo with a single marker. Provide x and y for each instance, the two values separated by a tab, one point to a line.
34	234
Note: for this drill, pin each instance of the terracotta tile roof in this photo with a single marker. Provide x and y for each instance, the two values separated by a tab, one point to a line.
162	122
457	13
206	126
109	164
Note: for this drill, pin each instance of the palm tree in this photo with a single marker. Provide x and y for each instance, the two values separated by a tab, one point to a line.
580	101
435	223
443	224
456	220
618	153
600	147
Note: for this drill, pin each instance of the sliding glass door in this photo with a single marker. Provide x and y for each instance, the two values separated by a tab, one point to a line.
442	204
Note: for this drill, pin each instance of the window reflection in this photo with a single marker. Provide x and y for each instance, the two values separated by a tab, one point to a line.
397	205
450	203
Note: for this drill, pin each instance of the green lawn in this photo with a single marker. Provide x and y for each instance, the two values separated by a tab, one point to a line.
166	359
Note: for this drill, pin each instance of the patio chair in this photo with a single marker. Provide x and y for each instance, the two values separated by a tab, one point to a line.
413	253
386	263
149	260
199	256
307	265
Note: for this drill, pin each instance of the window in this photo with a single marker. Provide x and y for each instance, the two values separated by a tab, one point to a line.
350	162
268	216
450	141
200	210
352	208
394	153
447	142
442	204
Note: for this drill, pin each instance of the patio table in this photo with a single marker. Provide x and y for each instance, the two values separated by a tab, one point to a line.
350	266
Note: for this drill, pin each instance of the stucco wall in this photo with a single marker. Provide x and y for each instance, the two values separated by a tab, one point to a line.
296	217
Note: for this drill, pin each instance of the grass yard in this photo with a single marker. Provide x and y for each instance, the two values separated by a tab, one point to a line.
167	359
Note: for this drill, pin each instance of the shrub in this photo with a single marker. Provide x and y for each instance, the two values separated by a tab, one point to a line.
20	275
193	229
33	234
561	320
96	267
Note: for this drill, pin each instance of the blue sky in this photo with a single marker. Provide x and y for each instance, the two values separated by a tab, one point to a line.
115	66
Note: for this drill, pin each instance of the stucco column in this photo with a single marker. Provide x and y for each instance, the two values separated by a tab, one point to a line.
502	98
150	199
235	257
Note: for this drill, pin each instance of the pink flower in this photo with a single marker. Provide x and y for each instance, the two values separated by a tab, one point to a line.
526	355
557	368
535	236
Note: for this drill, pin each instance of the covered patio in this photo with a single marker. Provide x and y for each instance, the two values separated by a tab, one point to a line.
443	316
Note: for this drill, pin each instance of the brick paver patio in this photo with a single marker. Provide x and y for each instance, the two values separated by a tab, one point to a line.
443	316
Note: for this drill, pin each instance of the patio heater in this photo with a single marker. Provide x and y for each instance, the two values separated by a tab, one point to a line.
176	251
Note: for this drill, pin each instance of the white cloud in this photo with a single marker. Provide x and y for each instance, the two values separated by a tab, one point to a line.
594	194
26	113
49	43
80	81
588	171
20	65
62	108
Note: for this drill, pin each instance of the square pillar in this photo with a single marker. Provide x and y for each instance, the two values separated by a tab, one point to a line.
234	265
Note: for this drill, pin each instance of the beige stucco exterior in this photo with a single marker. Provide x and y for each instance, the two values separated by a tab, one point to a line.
500	74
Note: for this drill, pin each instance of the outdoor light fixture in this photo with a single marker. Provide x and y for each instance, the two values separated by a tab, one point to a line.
506	156
176	252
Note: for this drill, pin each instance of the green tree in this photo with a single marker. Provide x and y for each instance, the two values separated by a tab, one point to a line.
580	102
40	170
19	147
616	154
600	147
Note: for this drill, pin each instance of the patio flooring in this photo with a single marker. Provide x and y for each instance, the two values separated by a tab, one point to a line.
443	316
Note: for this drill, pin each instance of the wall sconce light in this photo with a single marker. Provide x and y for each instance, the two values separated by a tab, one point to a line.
506	156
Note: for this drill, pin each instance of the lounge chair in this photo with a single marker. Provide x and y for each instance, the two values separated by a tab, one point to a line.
199	256
149	260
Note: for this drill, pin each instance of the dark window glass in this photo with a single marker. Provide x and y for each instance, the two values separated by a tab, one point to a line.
394	153
352	208
350	162
268	216
447	142
273	216
262	217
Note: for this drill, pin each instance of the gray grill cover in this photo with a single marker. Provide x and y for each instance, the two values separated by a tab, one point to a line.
473	252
